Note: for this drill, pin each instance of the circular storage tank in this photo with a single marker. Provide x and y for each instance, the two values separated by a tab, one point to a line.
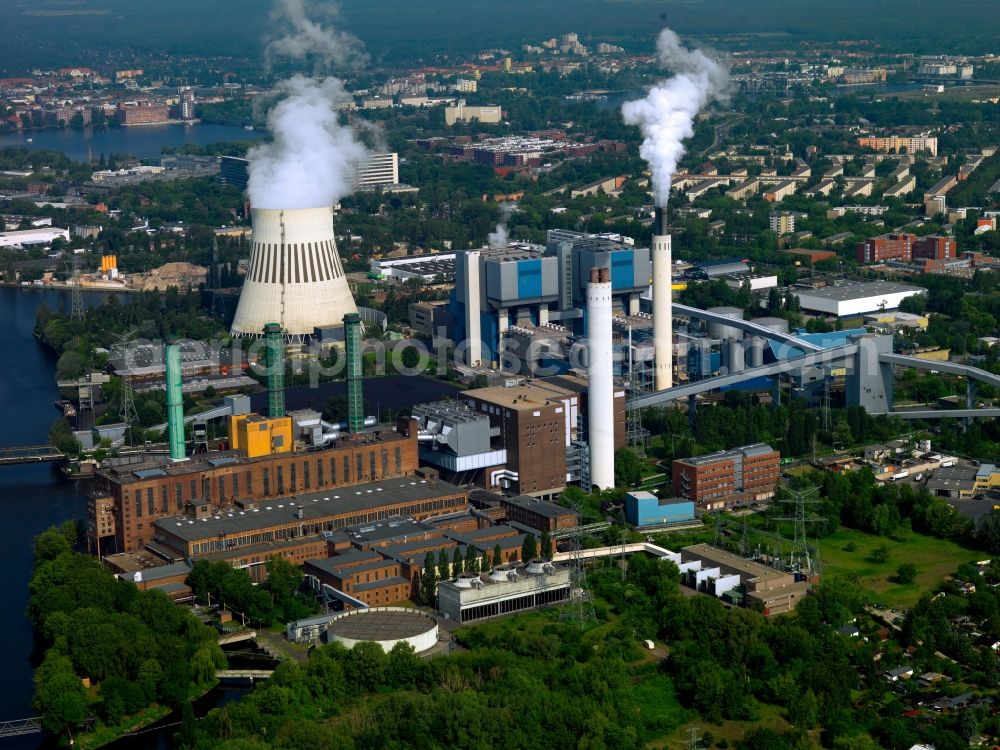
775	324
754	354
733	355
385	626
722	331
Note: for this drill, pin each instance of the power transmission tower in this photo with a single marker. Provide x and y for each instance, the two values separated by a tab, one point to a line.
635	435
693	738
803	558
126	410
579	610
76	294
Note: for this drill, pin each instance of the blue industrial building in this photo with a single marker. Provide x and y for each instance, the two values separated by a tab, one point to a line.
646	509
530	286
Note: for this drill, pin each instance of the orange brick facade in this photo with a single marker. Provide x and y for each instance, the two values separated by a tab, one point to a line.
737	477
139	501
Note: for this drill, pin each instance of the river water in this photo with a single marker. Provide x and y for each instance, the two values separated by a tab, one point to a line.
141	141
32	497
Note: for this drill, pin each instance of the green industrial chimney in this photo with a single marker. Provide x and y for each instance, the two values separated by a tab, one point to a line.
274	351
175	401
355	397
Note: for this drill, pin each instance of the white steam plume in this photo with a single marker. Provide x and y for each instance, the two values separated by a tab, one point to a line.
311	160
666	115
306	39
499	236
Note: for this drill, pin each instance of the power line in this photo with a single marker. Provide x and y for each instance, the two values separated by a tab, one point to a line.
804	558
579	610
126	411
76	294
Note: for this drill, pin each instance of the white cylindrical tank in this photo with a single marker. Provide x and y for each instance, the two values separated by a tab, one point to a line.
722	331
754	355
600	380
295	277
663	320
779	325
732	351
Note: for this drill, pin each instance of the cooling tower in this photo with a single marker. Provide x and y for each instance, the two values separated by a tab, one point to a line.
295	278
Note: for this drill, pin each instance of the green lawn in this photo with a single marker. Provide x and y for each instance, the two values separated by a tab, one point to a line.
933	558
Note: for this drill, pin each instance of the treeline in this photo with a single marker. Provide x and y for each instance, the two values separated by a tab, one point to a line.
538	682
109	649
279	599
792	428
150	315
730	663
556	688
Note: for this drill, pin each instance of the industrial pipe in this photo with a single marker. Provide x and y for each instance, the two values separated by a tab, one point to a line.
496	476
275	354
175	401
355	397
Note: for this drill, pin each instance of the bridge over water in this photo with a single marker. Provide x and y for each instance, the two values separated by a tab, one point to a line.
20	727
30	454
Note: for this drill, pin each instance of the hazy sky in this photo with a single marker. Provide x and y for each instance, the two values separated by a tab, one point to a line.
35	31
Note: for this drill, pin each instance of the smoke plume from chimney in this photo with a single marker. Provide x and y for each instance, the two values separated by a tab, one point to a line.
666	115
311	160
499	236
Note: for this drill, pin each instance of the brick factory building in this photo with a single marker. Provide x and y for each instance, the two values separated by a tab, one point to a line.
537	424
728	478
540	515
298	527
208	484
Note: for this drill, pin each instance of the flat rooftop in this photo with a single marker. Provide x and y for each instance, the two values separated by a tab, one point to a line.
396	527
313	506
721	557
858	290
161	466
381	625
542	507
757	449
523	396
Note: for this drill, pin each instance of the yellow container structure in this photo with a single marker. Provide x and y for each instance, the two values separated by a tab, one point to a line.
260	436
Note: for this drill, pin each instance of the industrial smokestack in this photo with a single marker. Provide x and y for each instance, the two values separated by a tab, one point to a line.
274	353
663	333
600	380
295	277
175	401
355	397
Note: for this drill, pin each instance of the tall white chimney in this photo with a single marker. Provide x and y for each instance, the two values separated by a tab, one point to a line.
663	334
600	380
295	278
473	302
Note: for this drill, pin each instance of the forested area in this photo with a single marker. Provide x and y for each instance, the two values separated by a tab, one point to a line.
279	599
108	649
536	681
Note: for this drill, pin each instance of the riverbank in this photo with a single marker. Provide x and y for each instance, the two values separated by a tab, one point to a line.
62	286
141	141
